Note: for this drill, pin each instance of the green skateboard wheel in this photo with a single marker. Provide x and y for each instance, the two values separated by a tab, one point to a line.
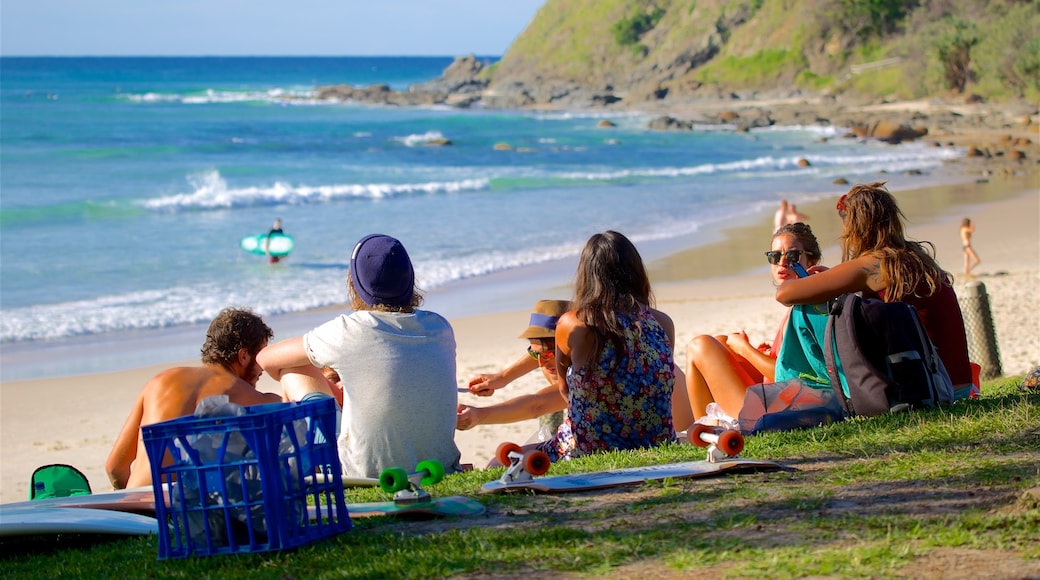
434	471
393	479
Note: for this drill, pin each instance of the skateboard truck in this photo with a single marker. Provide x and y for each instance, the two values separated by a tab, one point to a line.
523	466
407	487
721	446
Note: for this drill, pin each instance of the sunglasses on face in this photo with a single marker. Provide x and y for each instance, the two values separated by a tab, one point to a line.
774	256
545	352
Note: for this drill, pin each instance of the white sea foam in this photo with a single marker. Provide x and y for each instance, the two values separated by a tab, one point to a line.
211	191
210	96
298	290
420	139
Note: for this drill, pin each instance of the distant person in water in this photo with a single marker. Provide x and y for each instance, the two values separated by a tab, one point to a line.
228	368
971	259
276	228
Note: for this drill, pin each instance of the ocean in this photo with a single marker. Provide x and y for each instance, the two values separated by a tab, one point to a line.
127	183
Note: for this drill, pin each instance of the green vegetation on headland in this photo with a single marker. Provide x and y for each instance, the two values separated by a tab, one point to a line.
648	50
909	494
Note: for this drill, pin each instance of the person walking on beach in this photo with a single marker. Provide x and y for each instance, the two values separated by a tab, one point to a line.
276	228
396	364
228	368
971	259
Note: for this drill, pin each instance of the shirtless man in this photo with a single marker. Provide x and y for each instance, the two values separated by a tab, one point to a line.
229	368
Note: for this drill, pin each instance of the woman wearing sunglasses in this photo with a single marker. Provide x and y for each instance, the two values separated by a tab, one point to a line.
880	262
720	369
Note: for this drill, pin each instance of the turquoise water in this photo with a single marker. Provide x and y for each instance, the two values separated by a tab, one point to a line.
127	184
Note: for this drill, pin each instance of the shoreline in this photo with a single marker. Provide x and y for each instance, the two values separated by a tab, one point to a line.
84	412
714	254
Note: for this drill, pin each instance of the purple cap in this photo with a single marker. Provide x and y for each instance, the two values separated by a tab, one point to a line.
382	272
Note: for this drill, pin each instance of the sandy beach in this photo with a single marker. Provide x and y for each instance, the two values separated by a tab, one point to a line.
715	288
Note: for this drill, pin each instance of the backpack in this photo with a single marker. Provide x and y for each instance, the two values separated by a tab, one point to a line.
57	480
885	361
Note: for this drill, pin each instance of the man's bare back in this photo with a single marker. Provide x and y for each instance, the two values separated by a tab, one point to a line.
229	368
173	393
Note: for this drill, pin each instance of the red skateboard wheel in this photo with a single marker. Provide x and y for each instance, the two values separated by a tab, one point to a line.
731	442
694	434
536	462
503	451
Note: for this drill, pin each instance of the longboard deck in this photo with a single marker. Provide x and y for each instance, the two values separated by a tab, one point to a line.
141	500
137	500
631	475
438	507
42	520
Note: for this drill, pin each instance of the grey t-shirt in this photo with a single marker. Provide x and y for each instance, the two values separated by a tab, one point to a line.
399	389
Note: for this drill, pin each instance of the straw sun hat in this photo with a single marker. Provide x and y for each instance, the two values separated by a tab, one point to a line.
544	317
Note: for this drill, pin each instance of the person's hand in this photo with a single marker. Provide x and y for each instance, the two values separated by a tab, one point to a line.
816	269
467	417
484	385
738	342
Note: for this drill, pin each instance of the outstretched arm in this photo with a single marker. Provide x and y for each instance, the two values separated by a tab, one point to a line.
546	400
863	273
485	385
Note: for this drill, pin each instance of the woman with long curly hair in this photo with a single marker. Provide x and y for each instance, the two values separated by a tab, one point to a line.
879	261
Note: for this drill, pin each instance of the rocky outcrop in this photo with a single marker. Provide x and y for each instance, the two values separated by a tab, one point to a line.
888	131
379	95
463	77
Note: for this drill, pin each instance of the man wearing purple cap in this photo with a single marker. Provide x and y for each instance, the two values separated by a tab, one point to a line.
396	362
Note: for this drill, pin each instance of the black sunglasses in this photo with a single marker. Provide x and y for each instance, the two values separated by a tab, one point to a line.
792	256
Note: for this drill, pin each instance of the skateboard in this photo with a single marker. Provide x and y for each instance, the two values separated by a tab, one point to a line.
455	505
722	458
411	500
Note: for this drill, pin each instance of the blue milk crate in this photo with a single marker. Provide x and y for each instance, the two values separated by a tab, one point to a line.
241	484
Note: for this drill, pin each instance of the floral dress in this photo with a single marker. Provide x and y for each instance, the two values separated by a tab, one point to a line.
623	400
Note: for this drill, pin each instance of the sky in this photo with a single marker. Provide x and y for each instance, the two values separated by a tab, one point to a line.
261	27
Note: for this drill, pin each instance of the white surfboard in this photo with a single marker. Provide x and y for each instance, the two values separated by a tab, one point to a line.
34	520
